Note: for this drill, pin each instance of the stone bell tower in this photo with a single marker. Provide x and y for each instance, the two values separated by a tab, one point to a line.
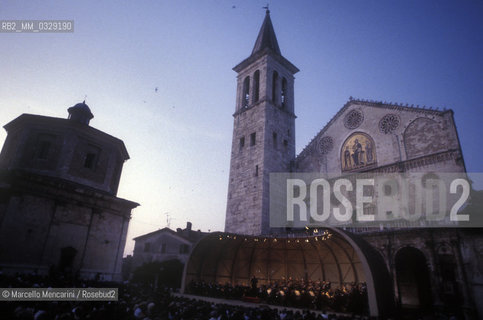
263	132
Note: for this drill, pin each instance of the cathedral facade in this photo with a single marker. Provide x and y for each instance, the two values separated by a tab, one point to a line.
430	269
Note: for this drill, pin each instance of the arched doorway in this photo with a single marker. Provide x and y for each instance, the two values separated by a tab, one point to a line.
413	282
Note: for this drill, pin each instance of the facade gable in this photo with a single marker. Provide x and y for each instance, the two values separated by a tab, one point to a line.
387	134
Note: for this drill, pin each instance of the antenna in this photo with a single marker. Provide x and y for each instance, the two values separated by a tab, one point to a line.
85	97
168	219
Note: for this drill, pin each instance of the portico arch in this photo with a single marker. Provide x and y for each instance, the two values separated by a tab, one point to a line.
413	279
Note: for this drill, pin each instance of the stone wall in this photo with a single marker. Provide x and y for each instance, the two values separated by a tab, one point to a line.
41	216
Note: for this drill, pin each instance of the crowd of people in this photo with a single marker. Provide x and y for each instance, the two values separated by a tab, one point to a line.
135	302
315	295
138	301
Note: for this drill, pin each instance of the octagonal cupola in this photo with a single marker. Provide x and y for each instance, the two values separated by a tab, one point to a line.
80	113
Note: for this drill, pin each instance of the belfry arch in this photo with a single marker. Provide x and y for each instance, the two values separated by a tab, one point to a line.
341	258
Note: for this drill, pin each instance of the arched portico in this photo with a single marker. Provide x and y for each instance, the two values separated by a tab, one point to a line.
413	279
337	256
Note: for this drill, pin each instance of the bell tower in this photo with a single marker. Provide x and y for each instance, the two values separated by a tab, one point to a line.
263	132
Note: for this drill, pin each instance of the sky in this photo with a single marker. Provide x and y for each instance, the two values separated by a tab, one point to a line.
179	137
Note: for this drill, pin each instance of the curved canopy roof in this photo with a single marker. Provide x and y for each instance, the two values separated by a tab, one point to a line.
334	256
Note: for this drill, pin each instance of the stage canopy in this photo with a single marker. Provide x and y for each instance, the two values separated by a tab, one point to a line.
332	255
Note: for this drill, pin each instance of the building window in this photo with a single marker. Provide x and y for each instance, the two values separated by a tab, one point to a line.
253	139
390	188
256	171
274	87
256	86
91	157
90	161
285	143
44	150
242	142
274	138
44	146
163	248
284	92
184	249
147	247
246	92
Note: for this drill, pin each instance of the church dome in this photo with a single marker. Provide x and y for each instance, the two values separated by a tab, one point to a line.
80	113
